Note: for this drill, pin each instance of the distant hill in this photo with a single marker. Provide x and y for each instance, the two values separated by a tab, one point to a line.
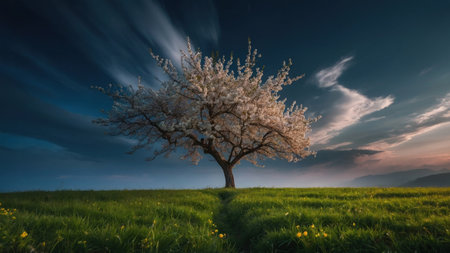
437	180
392	179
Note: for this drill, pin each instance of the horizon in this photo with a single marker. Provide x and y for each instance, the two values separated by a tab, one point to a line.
377	73
353	184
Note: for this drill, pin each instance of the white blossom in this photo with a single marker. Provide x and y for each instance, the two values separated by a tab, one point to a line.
208	108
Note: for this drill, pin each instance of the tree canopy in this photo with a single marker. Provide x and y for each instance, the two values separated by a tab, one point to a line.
206	107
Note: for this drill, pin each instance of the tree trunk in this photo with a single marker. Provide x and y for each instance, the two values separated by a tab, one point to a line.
229	178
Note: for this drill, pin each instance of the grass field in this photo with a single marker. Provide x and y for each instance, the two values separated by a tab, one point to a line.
222	220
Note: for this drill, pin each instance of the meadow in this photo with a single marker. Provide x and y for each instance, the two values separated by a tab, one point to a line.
228	220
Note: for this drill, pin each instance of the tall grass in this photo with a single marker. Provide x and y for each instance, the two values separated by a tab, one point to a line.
342	220
222	220
110	221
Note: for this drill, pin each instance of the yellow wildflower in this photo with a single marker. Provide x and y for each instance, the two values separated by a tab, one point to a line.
325	234
24	234
43	244
212	232
122	227
14	217
216	230
354	224
298	226
305	233
299	235
312	226
286	214
220	235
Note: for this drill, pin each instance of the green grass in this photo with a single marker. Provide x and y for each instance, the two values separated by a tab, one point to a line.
254	220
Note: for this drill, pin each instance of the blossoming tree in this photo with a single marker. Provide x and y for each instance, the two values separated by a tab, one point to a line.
206	107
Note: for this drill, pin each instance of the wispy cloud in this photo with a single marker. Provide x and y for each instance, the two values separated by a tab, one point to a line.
425	71
117	35
442	109
203	19
118	39
347	107
428	120
338	145
329	76
374	119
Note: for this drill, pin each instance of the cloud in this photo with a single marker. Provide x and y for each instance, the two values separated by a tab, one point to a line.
16	142
333	161
328	77
41	121
339	159
118	39
347	107
374	119
425	71
338	145
441	110
202	18
428	120
117	35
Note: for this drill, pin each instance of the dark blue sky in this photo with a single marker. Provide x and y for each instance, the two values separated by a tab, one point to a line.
377	71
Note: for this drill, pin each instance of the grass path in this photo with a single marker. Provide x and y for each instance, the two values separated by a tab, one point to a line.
229	223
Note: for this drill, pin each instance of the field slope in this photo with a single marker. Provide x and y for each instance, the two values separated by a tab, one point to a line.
221	220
